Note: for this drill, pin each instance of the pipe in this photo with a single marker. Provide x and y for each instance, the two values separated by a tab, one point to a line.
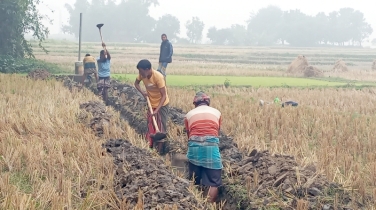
79	39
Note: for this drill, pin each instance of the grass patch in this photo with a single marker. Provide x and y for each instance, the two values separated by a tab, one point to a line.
22	181
192	80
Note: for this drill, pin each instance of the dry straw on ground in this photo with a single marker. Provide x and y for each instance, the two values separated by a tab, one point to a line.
49	160
333	128
340	66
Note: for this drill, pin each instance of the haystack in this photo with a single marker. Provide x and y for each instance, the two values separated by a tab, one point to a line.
311	71
298	65
374	65
340	66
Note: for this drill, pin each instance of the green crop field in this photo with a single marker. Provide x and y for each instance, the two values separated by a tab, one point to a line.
192	80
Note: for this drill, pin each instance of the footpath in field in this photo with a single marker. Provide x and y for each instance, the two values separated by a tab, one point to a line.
253	180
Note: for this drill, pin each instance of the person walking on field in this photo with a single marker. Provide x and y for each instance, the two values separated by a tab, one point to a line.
104	69
89	67
165	55
203	124
156	91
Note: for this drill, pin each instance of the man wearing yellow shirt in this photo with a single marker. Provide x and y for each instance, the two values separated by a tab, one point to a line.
89	67
156	91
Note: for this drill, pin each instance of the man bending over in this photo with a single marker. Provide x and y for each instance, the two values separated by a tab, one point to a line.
202	125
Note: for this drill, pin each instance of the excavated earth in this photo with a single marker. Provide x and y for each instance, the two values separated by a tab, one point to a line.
251	181
138	169
39	74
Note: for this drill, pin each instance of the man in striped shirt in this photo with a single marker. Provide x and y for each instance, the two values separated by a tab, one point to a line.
202	125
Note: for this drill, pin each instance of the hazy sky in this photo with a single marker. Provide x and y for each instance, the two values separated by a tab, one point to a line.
222	13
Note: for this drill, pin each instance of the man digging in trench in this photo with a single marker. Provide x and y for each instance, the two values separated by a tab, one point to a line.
202	125
156	91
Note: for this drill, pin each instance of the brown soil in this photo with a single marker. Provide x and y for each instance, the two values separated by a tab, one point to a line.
298	65
340	66
39	74
138	169
255	180
374	65
311	71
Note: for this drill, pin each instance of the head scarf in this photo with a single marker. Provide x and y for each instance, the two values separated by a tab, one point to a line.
201	97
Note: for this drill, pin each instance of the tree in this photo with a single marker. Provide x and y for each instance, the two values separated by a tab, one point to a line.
169	25
219	37
238	35
194	29
17	19
300	30
322	27
265	26
127	21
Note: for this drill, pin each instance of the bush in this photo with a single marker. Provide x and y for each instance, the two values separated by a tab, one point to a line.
25	65
227	83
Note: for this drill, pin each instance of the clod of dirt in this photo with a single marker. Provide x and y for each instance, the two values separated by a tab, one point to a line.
138	170
311	71
298	65
340	66
264	173
100	117
374	65
39	74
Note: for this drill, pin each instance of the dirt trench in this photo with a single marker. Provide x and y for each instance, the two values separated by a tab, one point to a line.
251	181
138	169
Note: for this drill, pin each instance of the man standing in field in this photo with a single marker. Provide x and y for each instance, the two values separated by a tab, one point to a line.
156	91
89	67
104	65
203	124
165	55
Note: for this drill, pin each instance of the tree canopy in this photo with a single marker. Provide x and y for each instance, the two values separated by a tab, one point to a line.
271	25
19	17
129	21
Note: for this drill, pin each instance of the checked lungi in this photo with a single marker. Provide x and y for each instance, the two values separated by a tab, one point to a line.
161	119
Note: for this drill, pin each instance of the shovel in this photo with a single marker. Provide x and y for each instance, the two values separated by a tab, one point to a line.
158	135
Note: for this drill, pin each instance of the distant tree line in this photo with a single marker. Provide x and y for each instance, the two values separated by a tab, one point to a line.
129	21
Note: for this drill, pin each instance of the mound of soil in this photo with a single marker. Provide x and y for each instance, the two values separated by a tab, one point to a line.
340	66
138	169
68	82
298	65
374	65
39	74
270	179
100	119
311	71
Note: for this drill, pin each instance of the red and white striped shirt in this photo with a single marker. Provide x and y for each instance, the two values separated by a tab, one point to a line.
203	121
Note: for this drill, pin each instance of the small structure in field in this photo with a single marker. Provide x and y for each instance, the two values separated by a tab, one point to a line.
374	65
340	66
298	65
311	71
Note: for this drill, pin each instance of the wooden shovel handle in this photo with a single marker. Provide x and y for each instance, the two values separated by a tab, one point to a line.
151	111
